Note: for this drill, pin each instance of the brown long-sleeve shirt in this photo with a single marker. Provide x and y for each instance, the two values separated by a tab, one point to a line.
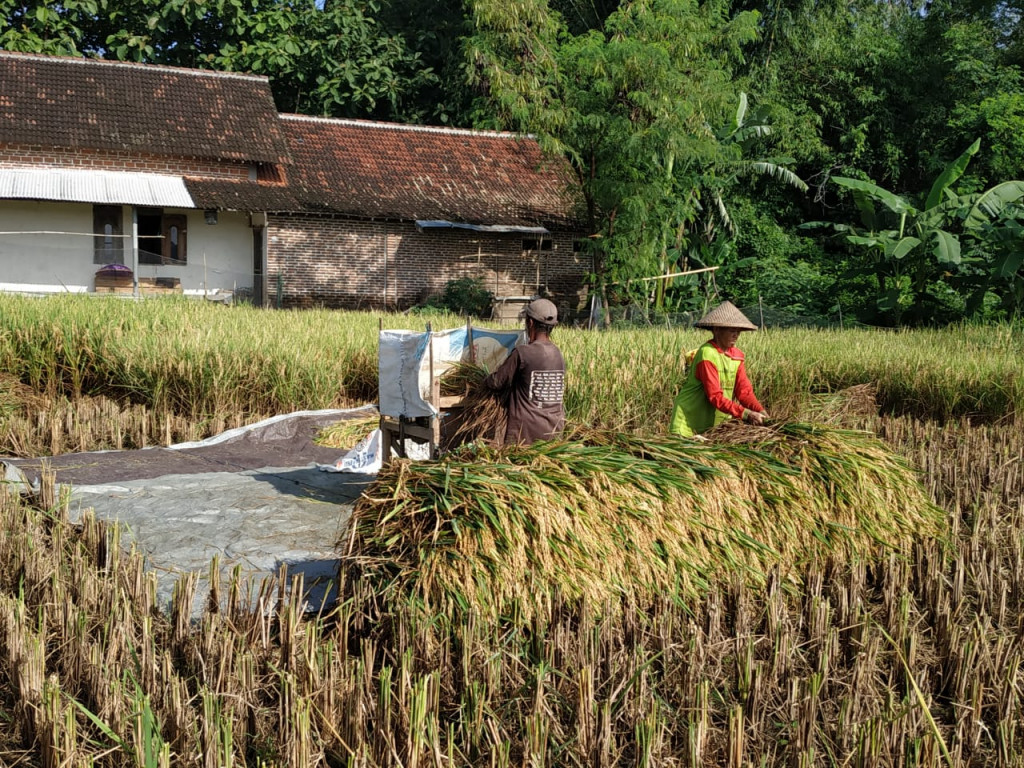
534	374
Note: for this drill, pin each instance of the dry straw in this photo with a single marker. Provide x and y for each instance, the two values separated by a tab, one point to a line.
844	407
607	515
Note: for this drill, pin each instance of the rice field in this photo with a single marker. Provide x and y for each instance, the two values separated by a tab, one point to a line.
846	590
177	370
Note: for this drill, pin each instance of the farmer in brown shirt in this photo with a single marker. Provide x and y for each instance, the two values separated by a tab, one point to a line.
534	375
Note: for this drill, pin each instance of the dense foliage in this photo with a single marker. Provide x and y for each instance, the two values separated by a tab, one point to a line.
691	126
463	296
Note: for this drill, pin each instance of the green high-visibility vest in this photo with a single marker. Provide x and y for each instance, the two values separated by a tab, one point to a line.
692	412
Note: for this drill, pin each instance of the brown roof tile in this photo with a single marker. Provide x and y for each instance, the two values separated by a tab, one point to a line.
384	170
89	103
228	195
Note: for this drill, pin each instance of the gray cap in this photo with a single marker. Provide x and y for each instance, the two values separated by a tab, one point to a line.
541	311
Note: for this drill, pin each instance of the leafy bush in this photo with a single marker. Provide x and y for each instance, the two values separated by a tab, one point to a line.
463	296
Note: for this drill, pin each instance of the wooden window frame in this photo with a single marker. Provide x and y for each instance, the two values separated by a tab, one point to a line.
108	246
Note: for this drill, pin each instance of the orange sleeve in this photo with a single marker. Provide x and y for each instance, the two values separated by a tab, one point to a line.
707	375
744	391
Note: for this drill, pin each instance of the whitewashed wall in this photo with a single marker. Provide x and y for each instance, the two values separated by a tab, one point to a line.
45	262
219	256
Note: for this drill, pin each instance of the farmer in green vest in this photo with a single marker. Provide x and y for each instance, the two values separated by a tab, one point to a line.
716	386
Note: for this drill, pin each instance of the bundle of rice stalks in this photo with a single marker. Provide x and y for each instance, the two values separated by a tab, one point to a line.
18	398
838	407
608	515
847	406
737	432
345	434
481	415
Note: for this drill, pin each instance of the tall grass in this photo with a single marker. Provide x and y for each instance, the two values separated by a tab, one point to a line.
187	356
186	370
208	364
191	367
628	379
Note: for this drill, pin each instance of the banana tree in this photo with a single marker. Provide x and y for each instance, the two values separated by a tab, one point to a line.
707	238
993	224
908	246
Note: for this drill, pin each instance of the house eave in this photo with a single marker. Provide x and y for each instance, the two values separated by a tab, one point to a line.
422	224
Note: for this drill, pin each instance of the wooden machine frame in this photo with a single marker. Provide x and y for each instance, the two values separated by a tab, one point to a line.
427	429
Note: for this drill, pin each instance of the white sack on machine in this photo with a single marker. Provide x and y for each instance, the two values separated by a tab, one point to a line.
404	363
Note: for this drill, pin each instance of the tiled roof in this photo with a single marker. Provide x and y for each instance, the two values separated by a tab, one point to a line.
94	104
229	195
385	170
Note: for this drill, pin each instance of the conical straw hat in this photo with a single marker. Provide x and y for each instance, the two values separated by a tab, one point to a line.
726	315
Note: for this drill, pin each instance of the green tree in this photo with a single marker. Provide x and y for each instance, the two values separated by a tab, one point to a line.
890	92
583	15
827	73
739	140
333	60
781	271
631	105
436	31
994	229
61	29
991	107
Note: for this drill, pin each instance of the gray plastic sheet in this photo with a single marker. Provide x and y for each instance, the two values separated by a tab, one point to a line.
253	498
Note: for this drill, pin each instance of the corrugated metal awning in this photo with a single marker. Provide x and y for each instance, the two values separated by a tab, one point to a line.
109	187
509	228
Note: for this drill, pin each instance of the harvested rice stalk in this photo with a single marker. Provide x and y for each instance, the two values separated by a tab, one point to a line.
844	407
345	434
737	432
462	377
16	397
839	407
482	414
610	515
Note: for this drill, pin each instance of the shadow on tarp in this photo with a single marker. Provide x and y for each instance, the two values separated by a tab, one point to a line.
312	483
253	498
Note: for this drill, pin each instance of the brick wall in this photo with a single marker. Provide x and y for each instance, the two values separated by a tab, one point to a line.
25	155
360	264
